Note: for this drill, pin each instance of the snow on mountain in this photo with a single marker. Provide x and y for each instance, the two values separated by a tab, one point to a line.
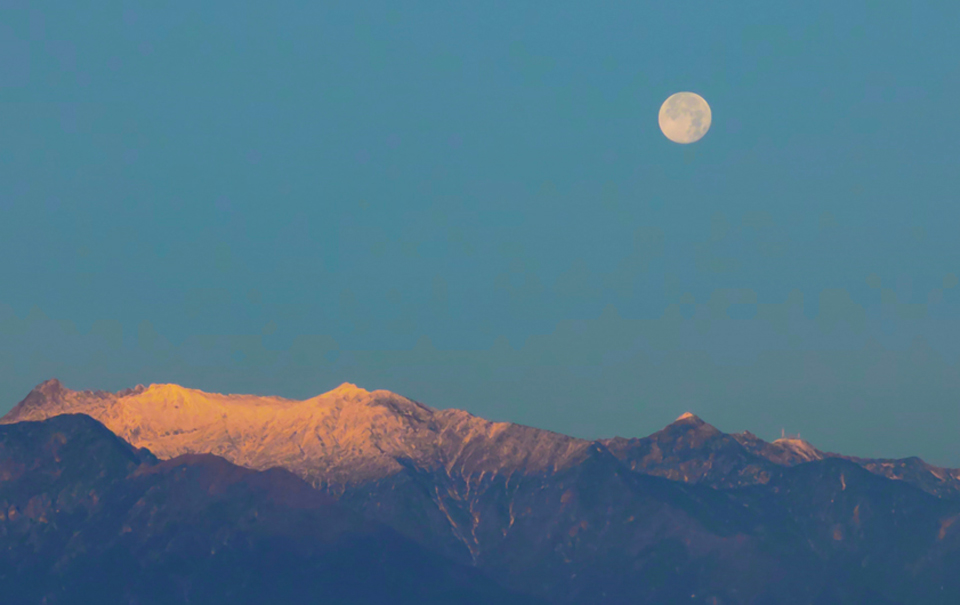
351	435
347	435
799	448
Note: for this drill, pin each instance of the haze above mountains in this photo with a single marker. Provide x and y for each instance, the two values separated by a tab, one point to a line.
688	512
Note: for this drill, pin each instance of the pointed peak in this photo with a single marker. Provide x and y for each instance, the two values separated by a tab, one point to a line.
348	389
48	395
50	386
689	421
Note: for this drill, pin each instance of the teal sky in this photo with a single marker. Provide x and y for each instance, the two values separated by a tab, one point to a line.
471	204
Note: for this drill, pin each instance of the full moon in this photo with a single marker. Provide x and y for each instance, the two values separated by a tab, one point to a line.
685	117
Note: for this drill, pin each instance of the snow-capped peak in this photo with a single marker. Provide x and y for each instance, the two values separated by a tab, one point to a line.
348	388
347	434
799	447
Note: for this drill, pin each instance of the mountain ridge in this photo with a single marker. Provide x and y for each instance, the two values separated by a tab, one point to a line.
350	435
344	436
688	511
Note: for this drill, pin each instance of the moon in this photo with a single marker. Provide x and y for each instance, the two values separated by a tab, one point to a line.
685	117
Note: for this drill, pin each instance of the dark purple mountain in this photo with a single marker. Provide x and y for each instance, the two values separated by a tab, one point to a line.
86	518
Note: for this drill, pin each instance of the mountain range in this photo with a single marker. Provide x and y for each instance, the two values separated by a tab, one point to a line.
687	514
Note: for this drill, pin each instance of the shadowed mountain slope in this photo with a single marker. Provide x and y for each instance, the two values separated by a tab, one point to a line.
85	518
693	451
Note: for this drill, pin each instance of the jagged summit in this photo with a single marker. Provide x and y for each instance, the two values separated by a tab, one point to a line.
132	391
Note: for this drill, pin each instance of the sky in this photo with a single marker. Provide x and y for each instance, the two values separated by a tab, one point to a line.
471	204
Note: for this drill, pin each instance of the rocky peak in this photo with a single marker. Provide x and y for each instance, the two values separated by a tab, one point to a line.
688	421
132	391
687	428
51	398
50	386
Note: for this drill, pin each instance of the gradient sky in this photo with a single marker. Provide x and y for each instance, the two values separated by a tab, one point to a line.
471	204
